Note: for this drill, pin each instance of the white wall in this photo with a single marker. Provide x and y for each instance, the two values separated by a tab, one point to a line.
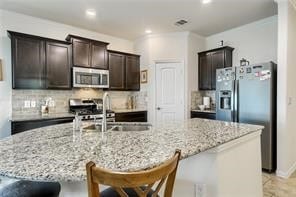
181	46
157	47
256	42
5	85
286	89
36	26
196	44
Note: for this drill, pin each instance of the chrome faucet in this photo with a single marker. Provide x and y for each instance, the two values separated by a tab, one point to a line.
106	99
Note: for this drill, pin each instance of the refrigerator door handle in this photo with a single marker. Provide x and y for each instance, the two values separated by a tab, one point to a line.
236	101
232	102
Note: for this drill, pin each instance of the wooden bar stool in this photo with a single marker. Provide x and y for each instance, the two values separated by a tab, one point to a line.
133	184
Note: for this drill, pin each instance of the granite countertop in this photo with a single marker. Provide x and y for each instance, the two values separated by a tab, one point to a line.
212	111
128	110
17	118
52	153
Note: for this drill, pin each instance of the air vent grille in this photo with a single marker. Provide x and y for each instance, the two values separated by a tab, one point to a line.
181	22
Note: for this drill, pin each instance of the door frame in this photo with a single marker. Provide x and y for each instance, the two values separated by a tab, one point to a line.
153	89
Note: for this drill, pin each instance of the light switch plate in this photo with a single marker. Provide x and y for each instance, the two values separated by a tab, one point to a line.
27	104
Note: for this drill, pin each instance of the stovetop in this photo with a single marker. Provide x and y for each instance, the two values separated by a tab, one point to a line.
84	112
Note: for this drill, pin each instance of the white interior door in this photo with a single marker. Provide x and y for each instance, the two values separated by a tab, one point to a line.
169	92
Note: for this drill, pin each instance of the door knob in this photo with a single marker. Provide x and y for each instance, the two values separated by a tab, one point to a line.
158	108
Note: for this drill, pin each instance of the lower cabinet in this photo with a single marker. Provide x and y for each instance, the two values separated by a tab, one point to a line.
21	126
140	116
203	115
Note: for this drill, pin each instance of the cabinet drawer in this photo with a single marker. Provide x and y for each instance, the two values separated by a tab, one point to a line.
203	115
131	117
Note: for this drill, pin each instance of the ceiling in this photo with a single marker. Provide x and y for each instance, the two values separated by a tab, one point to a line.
130	18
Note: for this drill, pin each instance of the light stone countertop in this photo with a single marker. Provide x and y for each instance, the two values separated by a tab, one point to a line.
128	110
53	154
19	118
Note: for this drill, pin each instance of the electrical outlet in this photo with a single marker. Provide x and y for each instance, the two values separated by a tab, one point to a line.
33	104
27	104
200	190
51	103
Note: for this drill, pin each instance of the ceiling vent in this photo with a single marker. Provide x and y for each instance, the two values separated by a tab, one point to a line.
181	22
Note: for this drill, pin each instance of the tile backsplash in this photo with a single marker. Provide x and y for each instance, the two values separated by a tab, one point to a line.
197	98
61	99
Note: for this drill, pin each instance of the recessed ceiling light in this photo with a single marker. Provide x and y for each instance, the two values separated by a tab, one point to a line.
148	31
91	12
206	1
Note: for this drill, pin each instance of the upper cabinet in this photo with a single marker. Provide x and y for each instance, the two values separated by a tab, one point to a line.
132	74
124	70
39	63
209	62
89	53
58	65
116	71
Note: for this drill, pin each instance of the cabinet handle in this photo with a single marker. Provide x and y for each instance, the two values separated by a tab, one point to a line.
158	108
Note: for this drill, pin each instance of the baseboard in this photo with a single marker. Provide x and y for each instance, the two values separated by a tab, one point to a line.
287	174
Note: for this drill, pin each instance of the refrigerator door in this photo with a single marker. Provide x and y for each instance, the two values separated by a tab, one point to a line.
256	105
225	94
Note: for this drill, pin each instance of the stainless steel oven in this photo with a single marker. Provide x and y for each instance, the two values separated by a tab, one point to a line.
90	78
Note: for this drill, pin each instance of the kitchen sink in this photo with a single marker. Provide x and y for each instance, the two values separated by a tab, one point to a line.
94	127
119	127
131	128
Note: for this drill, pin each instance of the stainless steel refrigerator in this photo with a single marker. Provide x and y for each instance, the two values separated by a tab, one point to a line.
248	95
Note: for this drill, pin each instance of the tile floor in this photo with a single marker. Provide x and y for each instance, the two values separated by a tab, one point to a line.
278	187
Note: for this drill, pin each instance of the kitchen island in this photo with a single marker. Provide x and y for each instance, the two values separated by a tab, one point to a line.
220	158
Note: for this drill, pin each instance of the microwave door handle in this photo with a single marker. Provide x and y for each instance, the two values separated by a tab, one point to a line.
101	79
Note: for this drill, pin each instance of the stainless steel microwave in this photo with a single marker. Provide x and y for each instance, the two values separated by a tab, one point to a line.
90	78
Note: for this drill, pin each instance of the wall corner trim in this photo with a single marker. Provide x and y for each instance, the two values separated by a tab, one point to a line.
288	173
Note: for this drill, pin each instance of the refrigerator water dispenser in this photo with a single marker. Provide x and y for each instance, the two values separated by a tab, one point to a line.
225	100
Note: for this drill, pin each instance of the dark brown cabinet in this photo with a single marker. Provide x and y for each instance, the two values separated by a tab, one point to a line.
81	53
58	65
39	63
124	71
88	53
209	62
203	115
132	73
116	71
21	126
28	65
140	116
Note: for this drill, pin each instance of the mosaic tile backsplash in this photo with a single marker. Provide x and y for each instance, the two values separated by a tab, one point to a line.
61	99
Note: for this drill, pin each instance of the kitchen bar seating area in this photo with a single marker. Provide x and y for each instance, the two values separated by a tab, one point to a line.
147	98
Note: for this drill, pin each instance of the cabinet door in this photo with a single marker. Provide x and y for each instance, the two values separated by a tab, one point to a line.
99	56
218	61
116	71
28	60
132	72
58	65
205	64
81	53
